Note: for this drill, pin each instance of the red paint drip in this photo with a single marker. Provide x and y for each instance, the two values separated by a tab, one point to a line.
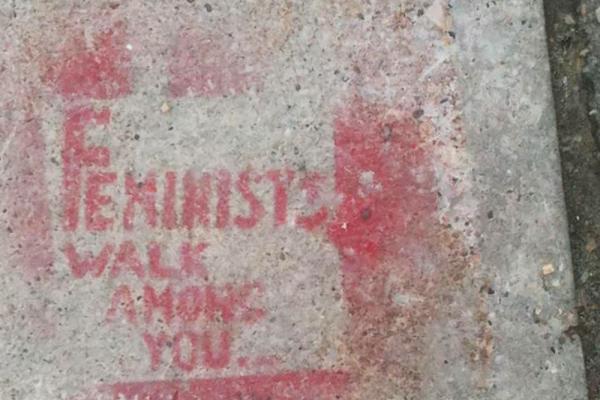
101	71
204	65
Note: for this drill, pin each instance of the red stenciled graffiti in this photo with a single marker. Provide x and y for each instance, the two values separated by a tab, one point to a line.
190	199
383	227
128	260
100	71
302	385
77	154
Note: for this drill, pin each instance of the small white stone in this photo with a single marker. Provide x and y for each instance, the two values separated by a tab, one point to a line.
165	107
598	14
548	269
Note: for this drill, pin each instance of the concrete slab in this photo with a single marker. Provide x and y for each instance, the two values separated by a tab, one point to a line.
282	200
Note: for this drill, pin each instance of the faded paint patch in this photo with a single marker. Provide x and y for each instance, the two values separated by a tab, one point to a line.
98	70
391	245
25	212
24	207
208	64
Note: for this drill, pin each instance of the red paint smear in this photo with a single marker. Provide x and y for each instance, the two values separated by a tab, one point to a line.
99	72
204	65
27	213
385	181
386	218
318	385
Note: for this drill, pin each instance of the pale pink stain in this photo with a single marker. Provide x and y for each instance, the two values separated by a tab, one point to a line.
28	229
98	71
208	65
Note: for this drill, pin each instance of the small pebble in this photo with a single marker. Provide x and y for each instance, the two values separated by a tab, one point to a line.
165	108
548	269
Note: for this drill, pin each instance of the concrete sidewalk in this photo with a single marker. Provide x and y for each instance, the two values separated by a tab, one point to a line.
282	200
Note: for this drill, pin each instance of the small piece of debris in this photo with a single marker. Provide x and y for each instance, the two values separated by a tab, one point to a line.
165	107
548	269
208	7
598	14
536	316
591	245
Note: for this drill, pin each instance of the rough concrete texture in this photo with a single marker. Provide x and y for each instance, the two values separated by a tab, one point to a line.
574	43
282	200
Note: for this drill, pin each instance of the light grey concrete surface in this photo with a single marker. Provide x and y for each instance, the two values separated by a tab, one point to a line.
341	200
